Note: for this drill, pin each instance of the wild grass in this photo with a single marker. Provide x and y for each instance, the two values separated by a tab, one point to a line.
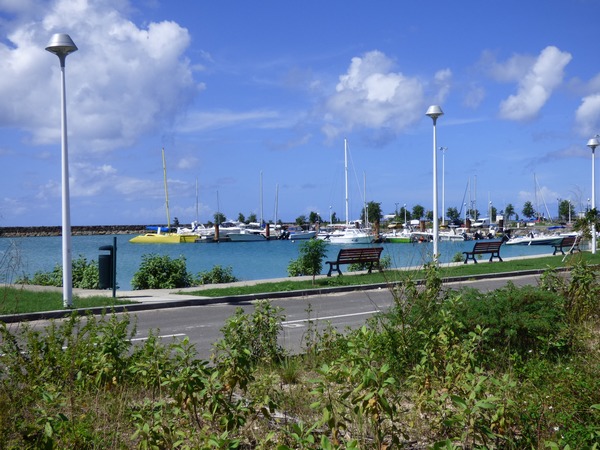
515	368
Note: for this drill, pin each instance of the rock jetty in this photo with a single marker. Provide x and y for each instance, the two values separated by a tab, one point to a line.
75	230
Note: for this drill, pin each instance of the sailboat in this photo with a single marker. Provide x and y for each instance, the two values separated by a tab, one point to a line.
163	235
348	235
255	231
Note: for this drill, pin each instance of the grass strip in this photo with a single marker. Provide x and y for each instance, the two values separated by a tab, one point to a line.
392	275
20	300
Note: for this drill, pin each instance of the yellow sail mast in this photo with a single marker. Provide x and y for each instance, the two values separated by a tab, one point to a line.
166	190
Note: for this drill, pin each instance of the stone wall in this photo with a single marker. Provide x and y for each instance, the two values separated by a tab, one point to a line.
75	230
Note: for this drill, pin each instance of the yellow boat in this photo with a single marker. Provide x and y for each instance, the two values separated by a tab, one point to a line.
157	238
163	235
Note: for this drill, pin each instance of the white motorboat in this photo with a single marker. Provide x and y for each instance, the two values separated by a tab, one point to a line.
533	238
247	235
253	233
297	233
350	236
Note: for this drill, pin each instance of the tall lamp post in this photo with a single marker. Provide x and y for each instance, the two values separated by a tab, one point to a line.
434	111
593	143
62	45
443	150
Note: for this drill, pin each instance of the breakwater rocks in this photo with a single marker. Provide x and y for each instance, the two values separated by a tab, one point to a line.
75	230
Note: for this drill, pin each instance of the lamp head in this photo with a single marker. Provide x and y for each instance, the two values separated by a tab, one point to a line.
593	143
61	45
434	111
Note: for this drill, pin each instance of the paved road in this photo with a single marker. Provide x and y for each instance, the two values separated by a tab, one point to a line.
202	323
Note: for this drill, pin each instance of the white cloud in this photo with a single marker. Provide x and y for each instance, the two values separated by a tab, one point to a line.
200	121
587	116
537	85
510	70
371	95
474	96
123	82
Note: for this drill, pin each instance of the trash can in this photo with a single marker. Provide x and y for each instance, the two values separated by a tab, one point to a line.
105	268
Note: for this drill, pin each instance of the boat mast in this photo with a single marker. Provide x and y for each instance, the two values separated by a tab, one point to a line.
261	199
276	202
166	190
346	176
366	207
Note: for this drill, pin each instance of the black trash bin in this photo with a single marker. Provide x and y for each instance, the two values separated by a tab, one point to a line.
105	268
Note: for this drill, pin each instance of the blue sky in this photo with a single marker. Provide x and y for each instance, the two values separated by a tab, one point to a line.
247	94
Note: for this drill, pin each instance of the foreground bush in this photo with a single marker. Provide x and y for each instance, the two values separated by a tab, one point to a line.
420	376
216	275
161	272
85	275
310	261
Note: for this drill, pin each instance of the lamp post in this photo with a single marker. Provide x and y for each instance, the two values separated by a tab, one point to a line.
405	215
443	150
62	45
593	143
434	111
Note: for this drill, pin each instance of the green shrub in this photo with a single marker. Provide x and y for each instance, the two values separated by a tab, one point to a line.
519	320
161	272
310	261
216	275
385	262
85	275
253	335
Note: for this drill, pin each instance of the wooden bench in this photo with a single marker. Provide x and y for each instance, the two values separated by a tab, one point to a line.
570	242
369	255
483	247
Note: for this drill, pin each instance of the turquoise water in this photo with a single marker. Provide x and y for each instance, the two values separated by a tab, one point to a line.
248	260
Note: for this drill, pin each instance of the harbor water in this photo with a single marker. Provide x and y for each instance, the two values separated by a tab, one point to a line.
248	260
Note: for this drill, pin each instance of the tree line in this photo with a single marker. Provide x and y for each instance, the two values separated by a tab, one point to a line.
373	214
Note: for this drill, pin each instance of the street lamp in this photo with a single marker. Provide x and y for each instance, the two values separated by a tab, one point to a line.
593	143
62	45
405	215
434	111
443	150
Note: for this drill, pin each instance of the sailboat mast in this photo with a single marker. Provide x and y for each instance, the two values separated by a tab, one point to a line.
166	190
276	203
261	199
346	175
196	199
366	207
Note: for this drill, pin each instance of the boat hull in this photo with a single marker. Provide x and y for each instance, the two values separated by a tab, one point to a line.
157	238
246	237
553	240
399	239
302	235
